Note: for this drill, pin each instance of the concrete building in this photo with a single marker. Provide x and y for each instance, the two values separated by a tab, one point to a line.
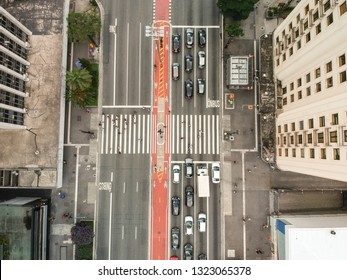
310	68
309	237
14	62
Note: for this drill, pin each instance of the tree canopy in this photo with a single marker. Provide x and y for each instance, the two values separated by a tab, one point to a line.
236	9
81	234
234	30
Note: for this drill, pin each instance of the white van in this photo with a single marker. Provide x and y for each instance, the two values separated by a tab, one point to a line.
201	59
176	170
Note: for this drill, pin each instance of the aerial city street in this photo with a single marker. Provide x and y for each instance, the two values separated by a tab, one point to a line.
172	129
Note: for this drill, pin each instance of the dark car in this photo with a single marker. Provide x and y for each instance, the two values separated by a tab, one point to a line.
188	63
202	38
175	238
188	251
189	38
202	256
188	89
176	203
176	43
201	86
189	196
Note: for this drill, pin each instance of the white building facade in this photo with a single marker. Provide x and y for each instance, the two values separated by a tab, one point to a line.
310	52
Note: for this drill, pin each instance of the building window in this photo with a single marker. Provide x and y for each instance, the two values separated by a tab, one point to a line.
326	5
311	153
330	19
292	98
322	121
299	94
342	60
323	153
284	90
284	57
310	123
300	138
286	152
335	119
301	124
285	128
329	67
284	101
279	129
333	136
330	82
297	33
290	26
317	72
291	139
318	87
343	8
320	137
293	126
291	86
307	8
308	91
298	18
291	51
277	62
299	82
306	25
293	152
342	76
280	152
318	28
308	37
315	15
302	152
298	45
345	135
309	138
284	140
308	78
336	154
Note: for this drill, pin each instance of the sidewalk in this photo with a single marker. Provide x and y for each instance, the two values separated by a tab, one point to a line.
79	170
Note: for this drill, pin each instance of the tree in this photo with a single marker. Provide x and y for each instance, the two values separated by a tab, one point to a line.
79	90
81	234
234	30
236	9
80	25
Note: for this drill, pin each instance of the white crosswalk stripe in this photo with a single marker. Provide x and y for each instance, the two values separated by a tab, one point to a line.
195	134
125	134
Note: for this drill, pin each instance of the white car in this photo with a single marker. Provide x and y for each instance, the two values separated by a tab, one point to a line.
215	172
176	171
188	225
202	222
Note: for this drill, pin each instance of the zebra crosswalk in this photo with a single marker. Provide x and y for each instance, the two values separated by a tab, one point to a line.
134	134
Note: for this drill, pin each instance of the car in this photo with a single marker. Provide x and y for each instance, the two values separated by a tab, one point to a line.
201	59
188	225
202	256
175	238
176	71
189	196
176	170
202	38
201	86
188	89
188	251
215	172
175	205
189	167
188	63
202	222
175	258
176	43
189	34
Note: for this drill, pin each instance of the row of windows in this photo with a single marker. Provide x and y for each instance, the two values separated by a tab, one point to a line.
311	123
11	99
13	46
320	153
301	29
312	138
15	30
13	117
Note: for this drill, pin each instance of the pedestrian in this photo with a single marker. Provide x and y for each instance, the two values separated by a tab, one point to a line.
182	138
64	161
88	110
100	124
107	115
119	132
183	121
140	139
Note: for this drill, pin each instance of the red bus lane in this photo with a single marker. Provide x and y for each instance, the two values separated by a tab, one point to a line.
160	132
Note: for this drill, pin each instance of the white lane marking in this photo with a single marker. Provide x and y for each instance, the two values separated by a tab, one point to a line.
195	135
137	186
135	232
172	134
191	134
148	136
120	127
138	120
203	133
115	64
107	131
196	26
125	130
199	135
217	134
124	187
186	136
140	59
123	232
207	233
143	134
182	133
102	132
243	204
111	176
208	134
110	229
129	127
127	69
207	78
178	134
111	134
